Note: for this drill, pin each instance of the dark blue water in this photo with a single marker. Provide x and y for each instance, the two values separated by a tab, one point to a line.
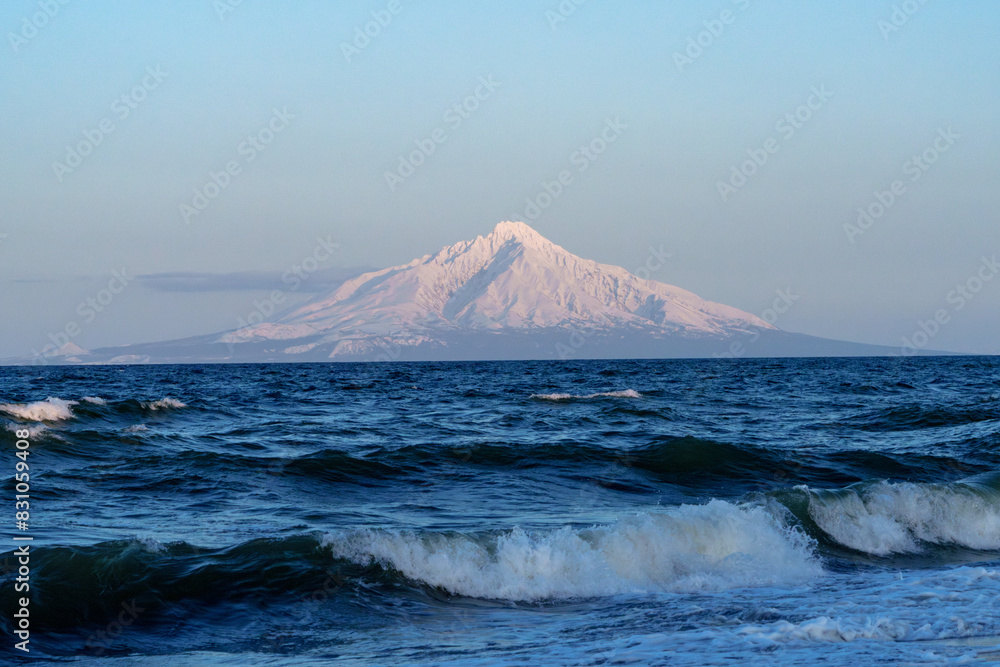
599	512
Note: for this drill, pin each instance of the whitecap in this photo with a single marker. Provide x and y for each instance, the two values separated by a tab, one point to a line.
886	518
690	548
34	431
164	403
626	393
826	629
50	410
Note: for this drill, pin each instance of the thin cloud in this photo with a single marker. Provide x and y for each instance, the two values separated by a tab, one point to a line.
322	280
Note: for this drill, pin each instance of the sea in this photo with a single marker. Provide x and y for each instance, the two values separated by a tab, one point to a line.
674	512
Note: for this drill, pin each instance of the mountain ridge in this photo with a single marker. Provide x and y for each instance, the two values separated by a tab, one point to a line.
509	294
512	278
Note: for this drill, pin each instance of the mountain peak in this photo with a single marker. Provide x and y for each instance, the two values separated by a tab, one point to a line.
509	294
512	279
518	231
511	282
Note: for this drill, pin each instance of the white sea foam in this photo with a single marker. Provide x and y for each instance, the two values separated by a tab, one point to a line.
96	400
135	428
34	430
627	393
164	403
903	617
886	518
692	547
147	544
910	598
50	410
826	629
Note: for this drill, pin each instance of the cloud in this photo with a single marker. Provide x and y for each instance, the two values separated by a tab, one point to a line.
322	280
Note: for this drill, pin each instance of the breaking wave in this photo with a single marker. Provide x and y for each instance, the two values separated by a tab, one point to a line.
50	410
34	430
626	393
164	403
826	629
693	547
884	518
56	409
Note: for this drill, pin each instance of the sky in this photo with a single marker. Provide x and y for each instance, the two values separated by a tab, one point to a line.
166	166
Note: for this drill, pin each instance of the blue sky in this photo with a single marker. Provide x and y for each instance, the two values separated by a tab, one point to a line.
309	133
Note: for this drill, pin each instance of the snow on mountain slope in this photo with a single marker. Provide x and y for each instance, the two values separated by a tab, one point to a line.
512	280
511	294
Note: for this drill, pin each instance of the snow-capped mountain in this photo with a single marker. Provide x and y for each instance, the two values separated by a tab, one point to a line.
511	294
512	280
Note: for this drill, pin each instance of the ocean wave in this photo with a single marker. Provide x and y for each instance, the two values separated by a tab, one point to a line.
951	595
50	410
826	629
626	393
34	430
885	518
164	403
88	582
55	409
917	417
690	548
681	460
721	469
687	462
